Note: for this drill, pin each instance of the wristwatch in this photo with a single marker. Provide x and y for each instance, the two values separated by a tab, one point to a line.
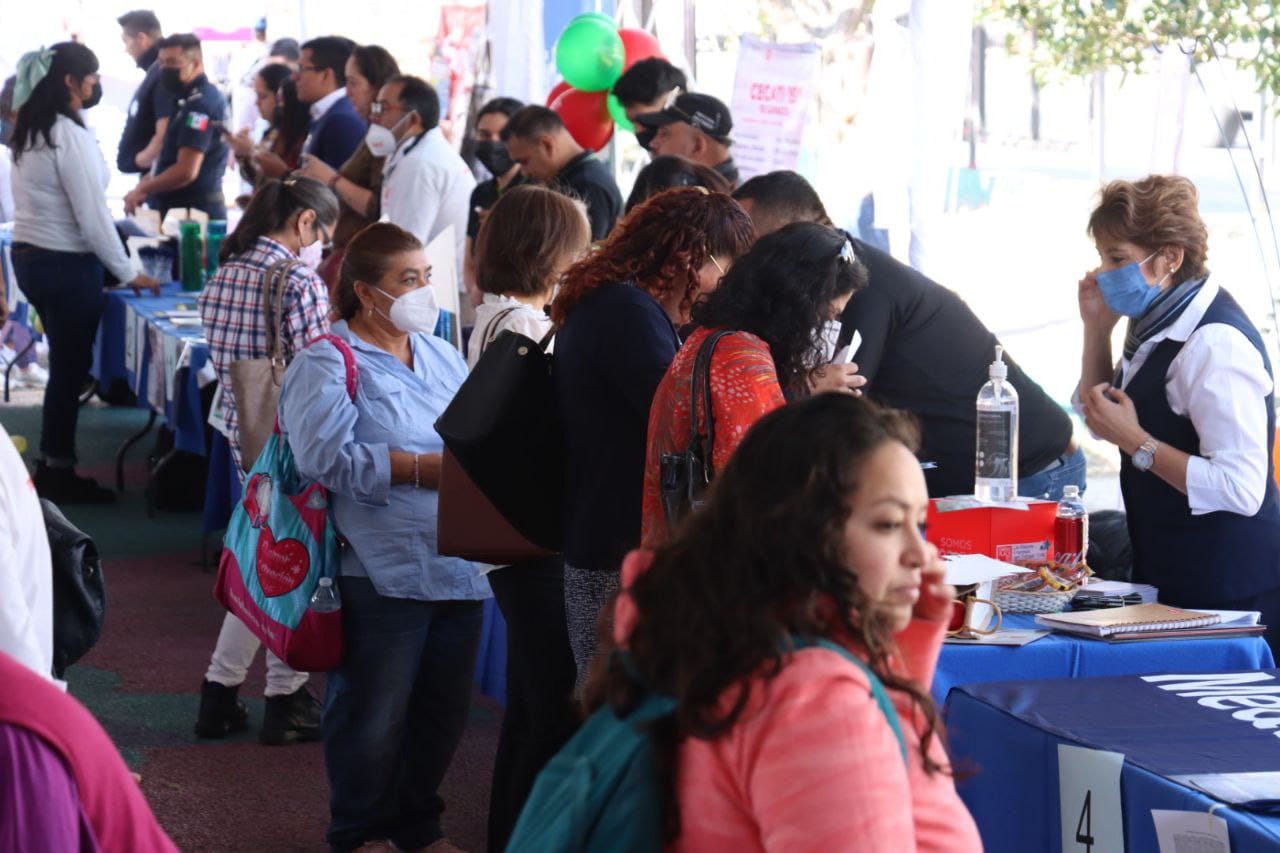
1145	456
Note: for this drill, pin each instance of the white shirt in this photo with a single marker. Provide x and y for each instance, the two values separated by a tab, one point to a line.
491	321
60	198
322	106
1218	381
6	184
426	187
26	572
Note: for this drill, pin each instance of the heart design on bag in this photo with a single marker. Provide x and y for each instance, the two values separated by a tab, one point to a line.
282	566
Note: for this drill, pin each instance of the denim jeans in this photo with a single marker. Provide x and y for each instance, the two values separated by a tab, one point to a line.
1067	470
394	713
66	289
540	715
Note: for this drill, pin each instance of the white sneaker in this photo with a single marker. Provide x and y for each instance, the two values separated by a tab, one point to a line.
32	376
6	356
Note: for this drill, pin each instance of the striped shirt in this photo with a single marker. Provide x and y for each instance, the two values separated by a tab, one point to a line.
231	312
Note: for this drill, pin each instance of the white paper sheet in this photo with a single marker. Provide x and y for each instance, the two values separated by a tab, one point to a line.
1089	799
965	569
1190	832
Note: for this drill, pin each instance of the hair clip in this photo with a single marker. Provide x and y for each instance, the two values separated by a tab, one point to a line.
846	252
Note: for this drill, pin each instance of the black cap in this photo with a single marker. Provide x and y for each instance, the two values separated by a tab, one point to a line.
708	114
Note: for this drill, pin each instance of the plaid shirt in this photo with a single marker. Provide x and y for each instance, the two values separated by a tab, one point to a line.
231	312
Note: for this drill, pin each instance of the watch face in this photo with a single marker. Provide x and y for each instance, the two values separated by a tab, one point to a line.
1142	459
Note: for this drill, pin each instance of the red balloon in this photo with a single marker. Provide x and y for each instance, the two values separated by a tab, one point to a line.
556	91
638	45
586	115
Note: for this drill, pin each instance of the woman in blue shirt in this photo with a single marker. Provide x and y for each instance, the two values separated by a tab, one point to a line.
397	705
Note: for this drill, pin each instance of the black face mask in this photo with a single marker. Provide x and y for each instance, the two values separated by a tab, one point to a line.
171	79
492	154
93	100
645	137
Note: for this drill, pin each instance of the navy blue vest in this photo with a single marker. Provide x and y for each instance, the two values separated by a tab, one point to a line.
1196	560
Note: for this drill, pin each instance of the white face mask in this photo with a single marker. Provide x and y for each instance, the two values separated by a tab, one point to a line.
382	141
415	311
312	255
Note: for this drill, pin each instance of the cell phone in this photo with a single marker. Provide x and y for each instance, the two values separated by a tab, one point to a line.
853	346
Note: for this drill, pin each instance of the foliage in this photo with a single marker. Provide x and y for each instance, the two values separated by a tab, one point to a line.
1080	37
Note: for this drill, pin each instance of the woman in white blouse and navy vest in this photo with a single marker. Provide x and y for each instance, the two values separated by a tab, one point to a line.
1189	405
63	238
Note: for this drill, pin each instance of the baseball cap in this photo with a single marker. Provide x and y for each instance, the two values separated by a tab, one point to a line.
708	114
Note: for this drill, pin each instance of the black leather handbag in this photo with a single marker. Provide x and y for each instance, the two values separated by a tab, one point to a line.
685	476
79	593
503	430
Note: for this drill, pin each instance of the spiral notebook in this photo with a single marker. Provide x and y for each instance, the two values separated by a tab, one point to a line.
1146	618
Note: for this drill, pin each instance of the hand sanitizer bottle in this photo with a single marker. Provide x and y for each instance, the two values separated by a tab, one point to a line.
996	460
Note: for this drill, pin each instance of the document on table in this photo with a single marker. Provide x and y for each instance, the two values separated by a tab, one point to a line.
1238	789
1010	637
967	569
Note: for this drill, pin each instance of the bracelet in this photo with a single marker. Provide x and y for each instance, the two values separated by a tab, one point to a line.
333	183
417	479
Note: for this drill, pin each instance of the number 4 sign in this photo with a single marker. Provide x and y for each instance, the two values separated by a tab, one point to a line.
1089	796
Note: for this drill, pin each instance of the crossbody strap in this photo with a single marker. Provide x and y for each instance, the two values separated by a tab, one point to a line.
878	691
703	440
273	288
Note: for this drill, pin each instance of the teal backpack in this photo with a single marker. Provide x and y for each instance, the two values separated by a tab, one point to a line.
600	792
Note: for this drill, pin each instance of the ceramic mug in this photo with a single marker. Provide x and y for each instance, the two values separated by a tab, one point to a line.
963	616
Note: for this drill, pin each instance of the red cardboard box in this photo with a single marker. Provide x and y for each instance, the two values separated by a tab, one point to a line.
1012	535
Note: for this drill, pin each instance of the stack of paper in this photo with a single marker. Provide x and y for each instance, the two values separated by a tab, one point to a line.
1118	589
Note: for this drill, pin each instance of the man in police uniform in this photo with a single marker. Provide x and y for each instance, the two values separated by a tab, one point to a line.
189	170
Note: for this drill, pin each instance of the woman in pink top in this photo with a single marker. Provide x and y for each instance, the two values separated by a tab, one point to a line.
813	529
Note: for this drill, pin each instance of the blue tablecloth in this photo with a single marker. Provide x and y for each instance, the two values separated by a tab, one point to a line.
115	357
1013	790
1064	656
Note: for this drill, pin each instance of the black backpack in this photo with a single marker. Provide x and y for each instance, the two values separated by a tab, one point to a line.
79	594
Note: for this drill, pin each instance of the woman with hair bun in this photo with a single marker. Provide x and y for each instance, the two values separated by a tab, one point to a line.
1190	404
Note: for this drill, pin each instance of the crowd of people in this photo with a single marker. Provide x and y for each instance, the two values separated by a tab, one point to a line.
828	371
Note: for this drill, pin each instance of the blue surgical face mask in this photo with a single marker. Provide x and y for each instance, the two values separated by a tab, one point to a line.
1127	291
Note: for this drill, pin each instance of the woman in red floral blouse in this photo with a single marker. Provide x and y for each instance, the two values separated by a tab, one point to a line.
775	299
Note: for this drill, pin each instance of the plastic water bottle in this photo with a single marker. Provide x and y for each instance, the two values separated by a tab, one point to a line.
996	458
1070	529
325	599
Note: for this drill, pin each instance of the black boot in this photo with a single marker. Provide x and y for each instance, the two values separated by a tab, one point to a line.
292	718
65	486
221	711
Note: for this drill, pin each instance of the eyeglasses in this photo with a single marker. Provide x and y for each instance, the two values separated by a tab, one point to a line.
713	258
315	69
377	108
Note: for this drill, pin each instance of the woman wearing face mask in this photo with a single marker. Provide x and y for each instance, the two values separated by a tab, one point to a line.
813	531
397	705
617	312
284	221
491	152
63	238
281	147
358	183
774	302
1188	404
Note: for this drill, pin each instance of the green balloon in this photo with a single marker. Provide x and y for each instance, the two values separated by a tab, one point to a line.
599	16
620	115
589	53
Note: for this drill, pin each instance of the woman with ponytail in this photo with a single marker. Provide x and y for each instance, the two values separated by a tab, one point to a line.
285	221
62	241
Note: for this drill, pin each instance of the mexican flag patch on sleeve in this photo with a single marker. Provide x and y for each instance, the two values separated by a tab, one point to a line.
197	121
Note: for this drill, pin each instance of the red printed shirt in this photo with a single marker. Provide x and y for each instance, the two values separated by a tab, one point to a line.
231	313
744	388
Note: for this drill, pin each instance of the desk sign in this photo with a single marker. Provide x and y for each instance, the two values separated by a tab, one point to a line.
1089	796
1200	832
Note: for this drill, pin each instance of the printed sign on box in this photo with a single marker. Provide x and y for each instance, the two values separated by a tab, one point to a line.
771	93
1020	533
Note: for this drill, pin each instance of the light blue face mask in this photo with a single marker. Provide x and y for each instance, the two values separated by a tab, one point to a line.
1127	291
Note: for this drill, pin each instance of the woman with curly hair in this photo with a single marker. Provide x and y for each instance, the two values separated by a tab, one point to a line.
617	313
811	539
773	306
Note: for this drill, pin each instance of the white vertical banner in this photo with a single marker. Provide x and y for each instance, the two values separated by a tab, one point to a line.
772	92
